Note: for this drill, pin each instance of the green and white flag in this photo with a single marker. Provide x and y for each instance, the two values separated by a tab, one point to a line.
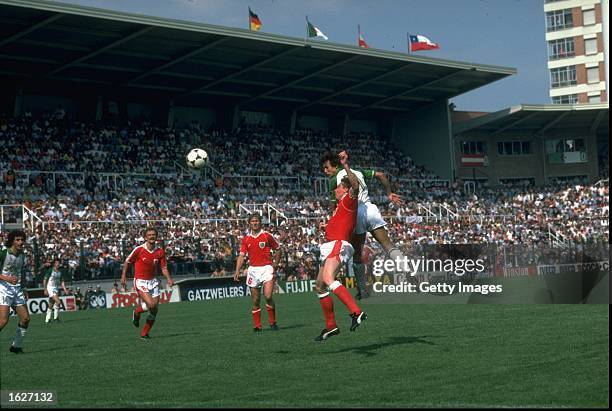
314	31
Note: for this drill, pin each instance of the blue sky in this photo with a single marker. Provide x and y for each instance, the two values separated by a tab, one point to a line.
499	32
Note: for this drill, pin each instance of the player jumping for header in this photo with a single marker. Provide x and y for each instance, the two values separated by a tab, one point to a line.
368	215
336	251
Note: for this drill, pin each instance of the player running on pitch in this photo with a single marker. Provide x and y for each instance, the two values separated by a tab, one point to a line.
336	251
12	268
368	215
52	282
146	258
258	245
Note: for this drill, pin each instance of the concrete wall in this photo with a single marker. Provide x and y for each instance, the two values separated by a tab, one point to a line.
425	136
533	165
184	115
312	122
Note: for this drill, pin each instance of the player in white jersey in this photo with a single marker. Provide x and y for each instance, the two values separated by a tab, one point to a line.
12	269
52	282
369	218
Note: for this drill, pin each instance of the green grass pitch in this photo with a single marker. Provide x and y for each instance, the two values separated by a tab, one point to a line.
204	354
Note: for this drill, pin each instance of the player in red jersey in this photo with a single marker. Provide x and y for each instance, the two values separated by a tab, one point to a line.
336	251
146	258
258	245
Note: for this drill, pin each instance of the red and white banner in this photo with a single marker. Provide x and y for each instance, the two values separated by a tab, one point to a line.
474	160
131	299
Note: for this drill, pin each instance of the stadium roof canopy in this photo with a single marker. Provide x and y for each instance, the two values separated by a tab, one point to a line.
45	44
540	119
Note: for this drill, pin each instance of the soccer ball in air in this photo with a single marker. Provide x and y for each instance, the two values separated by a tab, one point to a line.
197	158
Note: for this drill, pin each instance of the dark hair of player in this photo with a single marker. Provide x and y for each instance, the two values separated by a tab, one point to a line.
12	235
151	229
346	182
332	158
255	216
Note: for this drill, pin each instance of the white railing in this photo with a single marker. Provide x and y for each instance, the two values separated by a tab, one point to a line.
18	216
265	210
557	239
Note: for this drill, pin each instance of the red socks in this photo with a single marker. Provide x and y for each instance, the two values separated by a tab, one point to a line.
148	325
344	296
257	318
327	304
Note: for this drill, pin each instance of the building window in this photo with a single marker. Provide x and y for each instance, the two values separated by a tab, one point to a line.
565	145
595	99
593	75
559	20
563	76
560	49
517	181
590	46
588	17
513	148
567	99
473	147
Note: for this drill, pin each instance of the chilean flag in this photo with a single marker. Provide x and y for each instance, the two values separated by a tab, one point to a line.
418	42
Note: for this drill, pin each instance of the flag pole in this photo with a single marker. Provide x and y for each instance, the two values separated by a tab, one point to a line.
408	39
306	37
358	35
249	17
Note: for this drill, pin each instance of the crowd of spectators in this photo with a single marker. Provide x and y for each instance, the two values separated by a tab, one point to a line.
80	181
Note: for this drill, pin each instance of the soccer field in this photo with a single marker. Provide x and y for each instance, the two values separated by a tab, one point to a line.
204	354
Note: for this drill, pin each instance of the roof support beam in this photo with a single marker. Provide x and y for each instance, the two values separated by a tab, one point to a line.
405	93
239	72
597	120
514	123
177	59
553	122
350	88
101	50
30	29
306	77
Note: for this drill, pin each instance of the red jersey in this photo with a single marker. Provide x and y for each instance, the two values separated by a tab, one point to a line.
258	248
145	261
342	223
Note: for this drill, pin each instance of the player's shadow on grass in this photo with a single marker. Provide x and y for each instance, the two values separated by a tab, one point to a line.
370	350
62	348
175	335
291	327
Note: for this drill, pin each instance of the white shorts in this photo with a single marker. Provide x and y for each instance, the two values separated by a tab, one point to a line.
340	249
368	218
11	296
256	276
147	286
52	291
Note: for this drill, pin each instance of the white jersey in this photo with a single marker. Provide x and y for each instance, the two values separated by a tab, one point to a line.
55	279
363	196
12	265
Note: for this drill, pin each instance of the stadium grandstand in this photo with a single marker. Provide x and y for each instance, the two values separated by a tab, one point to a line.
100	108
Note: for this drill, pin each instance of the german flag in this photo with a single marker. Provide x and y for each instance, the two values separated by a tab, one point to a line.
254	22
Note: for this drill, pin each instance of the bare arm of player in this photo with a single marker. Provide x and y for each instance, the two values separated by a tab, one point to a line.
343	157
45	292
124	275
239	263
166	274
394	198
